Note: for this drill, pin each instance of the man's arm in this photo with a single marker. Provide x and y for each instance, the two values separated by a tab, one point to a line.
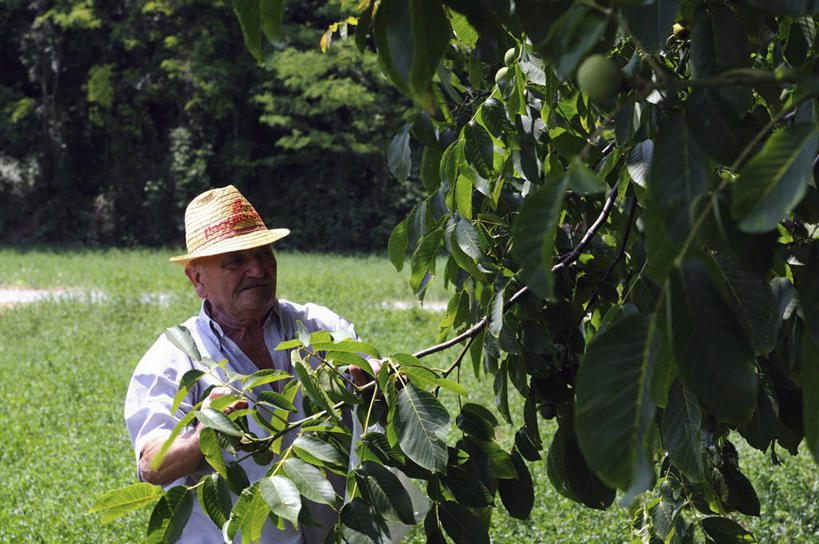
184	455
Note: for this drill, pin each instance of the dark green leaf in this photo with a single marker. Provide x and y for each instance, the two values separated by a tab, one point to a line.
310	481
432	530
247	11
533	236
479	149
725	531
571	476
397	245
236	477
740	493
753	301
282	497
583	181
170	515
271	13
423	259
214	498
796	8
718	42
383	490
398	155
571	37
466	488
710	348
312	388
651	22
421	423
361	524
477	421
681	431
639	162
462	526
760	430
774	182
717	128
526	446
518	495
810	388
614	409
119	502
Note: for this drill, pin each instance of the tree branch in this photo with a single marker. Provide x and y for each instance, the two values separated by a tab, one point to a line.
566	261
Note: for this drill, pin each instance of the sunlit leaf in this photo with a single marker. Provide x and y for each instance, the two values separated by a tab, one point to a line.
182	338
774	181
310	481
214	498
218	421
119	502
170	515
282	497
422	423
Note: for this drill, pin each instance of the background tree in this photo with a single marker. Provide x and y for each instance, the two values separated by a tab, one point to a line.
622	200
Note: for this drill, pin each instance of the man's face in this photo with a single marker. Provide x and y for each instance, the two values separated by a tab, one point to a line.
240	286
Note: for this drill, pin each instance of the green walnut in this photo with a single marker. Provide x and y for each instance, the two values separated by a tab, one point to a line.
501	74
599	77
510	56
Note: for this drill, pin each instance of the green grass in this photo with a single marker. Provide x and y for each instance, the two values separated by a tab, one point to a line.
66	365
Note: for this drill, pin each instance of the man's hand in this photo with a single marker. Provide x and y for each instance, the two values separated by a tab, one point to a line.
184	455
362	378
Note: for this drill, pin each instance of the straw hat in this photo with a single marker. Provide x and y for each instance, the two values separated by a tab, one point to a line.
222	220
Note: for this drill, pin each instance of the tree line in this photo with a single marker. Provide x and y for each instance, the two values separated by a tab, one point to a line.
114	115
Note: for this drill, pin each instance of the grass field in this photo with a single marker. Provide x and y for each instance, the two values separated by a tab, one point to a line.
66	362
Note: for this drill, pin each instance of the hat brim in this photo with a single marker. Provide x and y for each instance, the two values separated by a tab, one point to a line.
240	242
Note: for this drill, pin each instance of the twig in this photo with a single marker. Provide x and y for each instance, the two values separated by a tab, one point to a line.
566	261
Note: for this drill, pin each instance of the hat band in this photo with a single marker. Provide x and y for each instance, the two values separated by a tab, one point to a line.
240	223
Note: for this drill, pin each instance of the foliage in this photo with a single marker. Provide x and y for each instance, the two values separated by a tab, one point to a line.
115	115
639	268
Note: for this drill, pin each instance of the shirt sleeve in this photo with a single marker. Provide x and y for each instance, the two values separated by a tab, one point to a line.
153	386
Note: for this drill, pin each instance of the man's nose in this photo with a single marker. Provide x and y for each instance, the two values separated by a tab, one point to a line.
255	267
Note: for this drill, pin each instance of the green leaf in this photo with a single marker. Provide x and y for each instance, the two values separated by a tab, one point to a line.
466	488
248	515
639	162
761	429
276	400
795	8
677	177
119	502
383	490
282	497
495	314
214	498
361	524
740	494
681	431
477	421
268	375
181	337
187	382
717	128
718	42
398	154
533	236
310	481
423	259
397	245
348	346
614	408
479	150
753	303
463	197
710	348
651	23
421	423
583	181
810	389
462	526
218	421
518	495
248	11
571	476
271	13
212	450
170	515
312	388
314	450
774	182
571	37
725	531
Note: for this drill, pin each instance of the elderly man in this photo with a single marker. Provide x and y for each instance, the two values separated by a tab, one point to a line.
231	265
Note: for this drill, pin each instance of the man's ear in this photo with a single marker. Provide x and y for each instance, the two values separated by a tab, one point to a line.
195	277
